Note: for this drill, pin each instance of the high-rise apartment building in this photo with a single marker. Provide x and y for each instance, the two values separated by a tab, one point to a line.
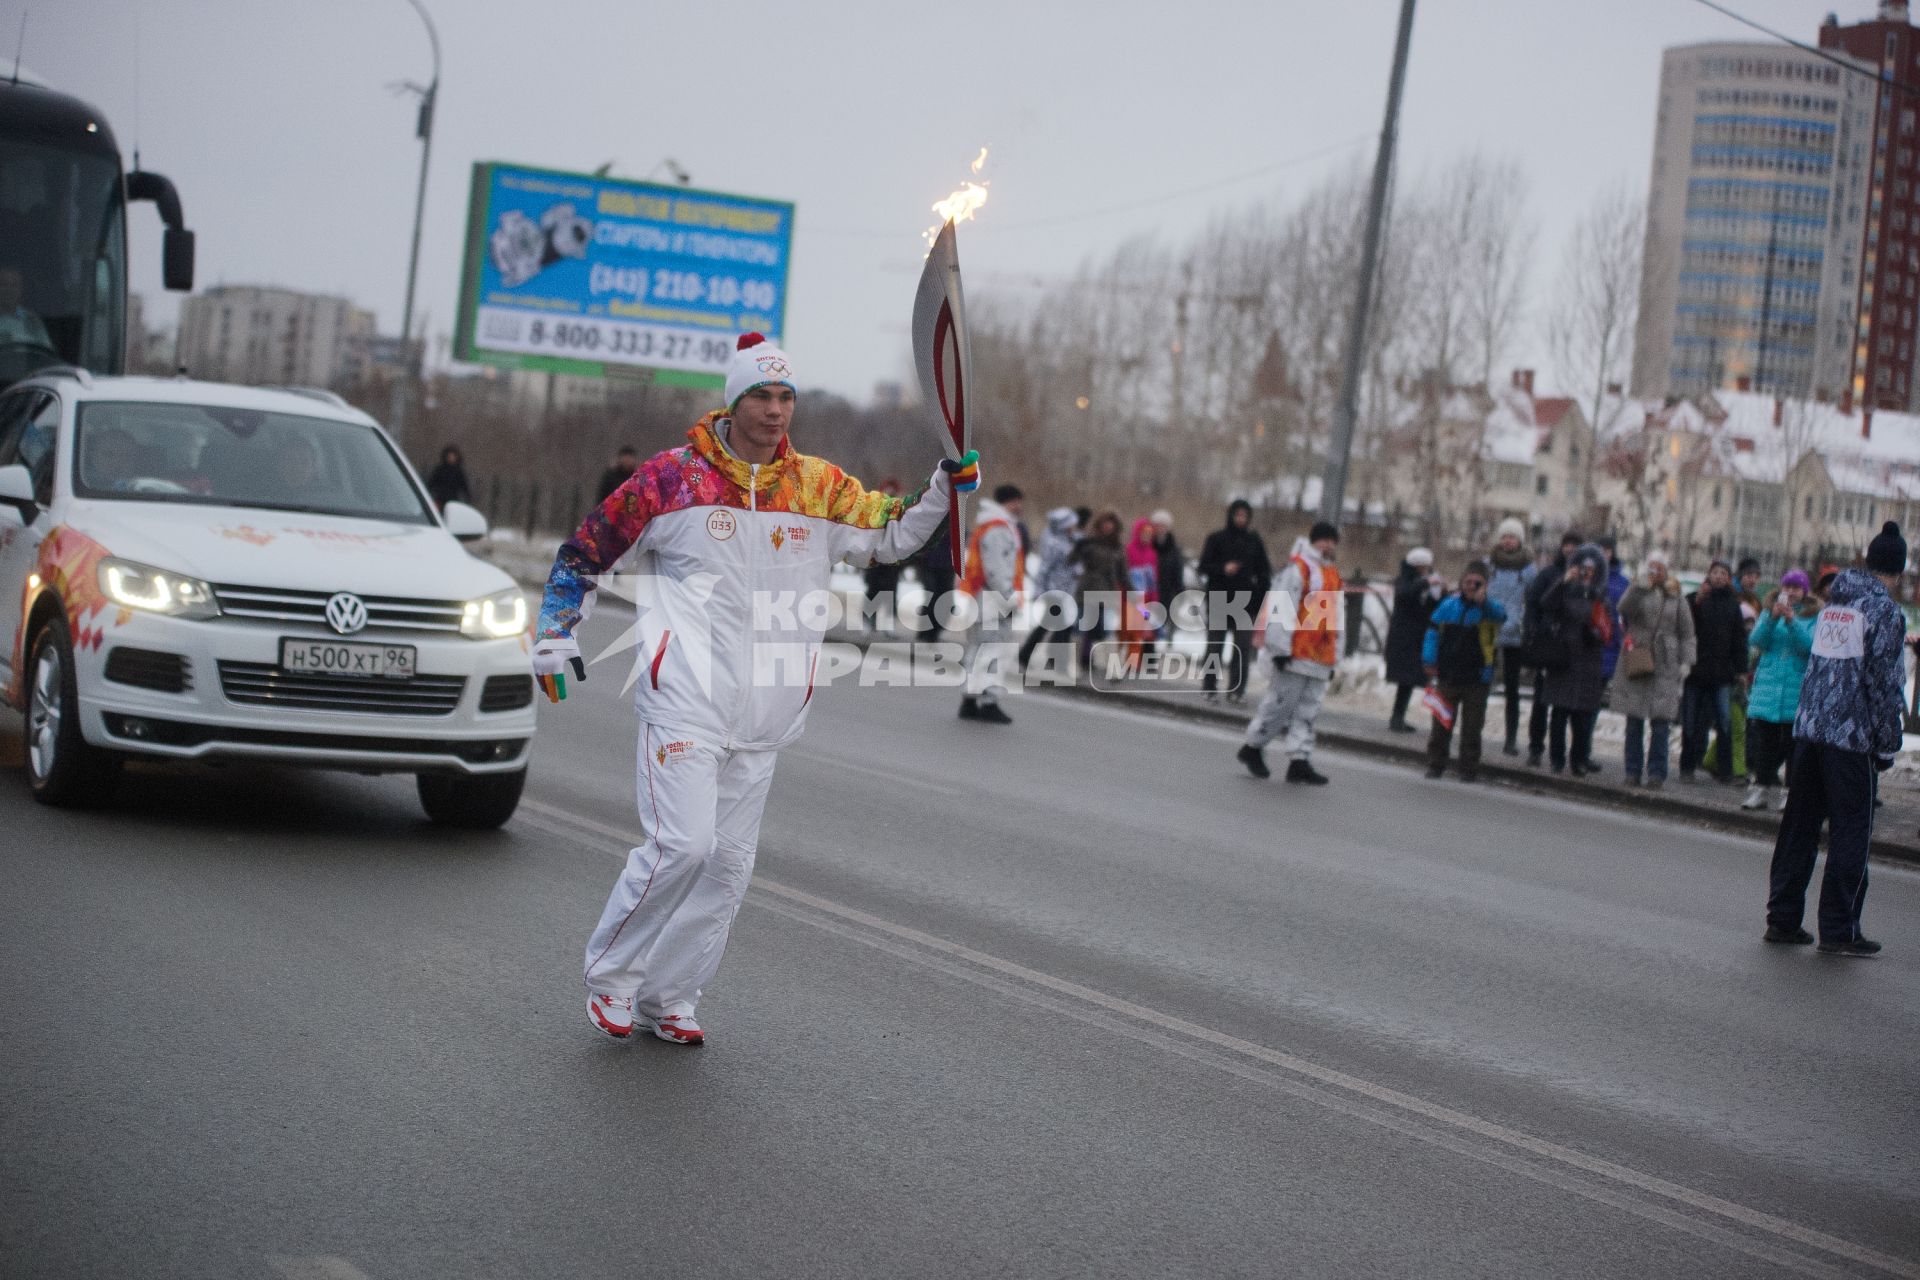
250	334
1884	370
1755	216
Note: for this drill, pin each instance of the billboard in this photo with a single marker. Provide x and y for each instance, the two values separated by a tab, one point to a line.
572	273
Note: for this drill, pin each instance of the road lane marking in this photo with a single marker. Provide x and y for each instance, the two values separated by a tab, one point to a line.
901	779
1445	1126
319	1267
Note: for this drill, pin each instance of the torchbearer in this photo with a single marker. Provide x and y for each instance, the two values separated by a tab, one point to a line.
739	519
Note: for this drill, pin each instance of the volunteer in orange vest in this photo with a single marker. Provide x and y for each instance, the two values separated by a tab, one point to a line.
1301	625
994	574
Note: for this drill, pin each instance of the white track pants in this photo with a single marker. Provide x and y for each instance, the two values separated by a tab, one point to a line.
988	657
1291	706
666	922
992	649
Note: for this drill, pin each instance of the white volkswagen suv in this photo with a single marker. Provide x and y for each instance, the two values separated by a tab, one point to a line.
207	572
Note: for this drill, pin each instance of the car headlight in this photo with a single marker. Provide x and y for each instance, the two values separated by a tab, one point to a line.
496	617
141	586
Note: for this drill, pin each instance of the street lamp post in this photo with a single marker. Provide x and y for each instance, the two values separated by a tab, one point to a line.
410	371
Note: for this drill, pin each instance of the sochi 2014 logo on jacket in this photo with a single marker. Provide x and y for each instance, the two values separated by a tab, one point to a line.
795	535
673	750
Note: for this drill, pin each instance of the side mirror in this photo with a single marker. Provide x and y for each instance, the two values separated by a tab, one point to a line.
462	521
176	259
176	248
16	491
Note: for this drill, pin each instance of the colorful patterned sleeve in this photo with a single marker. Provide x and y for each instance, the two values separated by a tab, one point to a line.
603	537
877	527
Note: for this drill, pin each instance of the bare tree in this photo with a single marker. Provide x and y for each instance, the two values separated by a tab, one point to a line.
1496	261
1463	244
1596	305
1799	432
1634	459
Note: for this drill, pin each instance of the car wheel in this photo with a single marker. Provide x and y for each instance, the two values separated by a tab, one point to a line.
479	802
61	767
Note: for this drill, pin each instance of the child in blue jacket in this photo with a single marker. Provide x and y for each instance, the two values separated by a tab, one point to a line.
1458	654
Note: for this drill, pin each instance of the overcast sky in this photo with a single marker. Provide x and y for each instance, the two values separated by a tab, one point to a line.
297	166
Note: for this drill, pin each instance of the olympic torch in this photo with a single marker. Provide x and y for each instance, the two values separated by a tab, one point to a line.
944	360
940	350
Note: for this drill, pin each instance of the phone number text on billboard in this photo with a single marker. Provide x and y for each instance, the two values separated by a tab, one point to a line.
610	341
663	285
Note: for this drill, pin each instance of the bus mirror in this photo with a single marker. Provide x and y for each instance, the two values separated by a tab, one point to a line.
176	258
176	249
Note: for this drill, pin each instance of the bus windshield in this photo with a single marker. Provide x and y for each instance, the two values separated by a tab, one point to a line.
62	260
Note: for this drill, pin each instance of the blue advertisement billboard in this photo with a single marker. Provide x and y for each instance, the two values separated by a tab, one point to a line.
582	274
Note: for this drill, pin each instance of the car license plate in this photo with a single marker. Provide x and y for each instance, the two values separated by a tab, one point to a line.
331	658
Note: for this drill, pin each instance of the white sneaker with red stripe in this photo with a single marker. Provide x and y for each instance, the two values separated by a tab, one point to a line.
612	1014
675	1028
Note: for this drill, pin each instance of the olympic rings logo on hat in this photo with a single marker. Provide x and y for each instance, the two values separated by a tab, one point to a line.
773	365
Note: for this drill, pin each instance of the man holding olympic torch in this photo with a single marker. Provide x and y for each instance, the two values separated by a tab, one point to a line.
757	525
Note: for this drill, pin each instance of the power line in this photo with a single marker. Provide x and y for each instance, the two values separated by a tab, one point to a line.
1184	192
1073	284
1847	64
1081	215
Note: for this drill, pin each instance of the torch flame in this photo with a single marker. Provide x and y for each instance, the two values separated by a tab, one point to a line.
961	205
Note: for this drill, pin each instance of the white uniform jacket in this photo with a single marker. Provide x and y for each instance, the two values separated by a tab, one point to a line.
734	565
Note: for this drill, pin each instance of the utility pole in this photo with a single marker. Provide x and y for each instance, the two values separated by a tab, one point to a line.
423	129
1766	296
1334	486
1180	353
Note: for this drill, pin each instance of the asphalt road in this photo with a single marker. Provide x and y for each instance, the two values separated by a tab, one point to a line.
1074	998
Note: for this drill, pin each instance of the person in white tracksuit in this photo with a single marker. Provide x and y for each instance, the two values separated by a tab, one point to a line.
993	576
735	530
1302	624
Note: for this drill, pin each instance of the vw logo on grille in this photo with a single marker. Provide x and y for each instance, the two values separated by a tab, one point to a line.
346	613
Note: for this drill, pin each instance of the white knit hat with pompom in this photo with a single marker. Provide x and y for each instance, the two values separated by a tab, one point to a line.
757	363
